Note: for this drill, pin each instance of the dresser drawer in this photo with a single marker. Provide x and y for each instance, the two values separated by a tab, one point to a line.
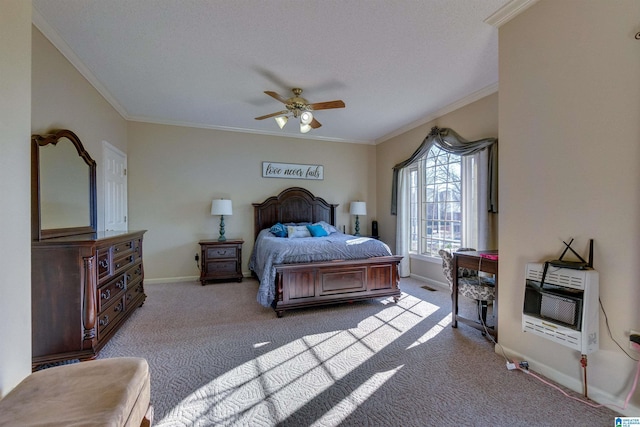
133	275
134	295
110	316
123	247
104	263
123	263
111	291
222	252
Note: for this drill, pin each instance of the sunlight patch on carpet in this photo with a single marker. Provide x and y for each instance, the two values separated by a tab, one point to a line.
281	381
336	415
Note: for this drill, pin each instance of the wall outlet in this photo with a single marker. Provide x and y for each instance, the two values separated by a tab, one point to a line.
197	257
634	338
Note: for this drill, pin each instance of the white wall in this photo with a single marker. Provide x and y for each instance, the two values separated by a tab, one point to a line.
569	167
15	187
175	172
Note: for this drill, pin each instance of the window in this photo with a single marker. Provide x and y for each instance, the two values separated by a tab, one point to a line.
435	195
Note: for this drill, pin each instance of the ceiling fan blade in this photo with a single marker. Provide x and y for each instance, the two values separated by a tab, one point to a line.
315	124
276	96
327	105
279	113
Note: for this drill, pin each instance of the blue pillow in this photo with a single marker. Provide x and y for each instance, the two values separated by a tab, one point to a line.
278	230
317	230
327	227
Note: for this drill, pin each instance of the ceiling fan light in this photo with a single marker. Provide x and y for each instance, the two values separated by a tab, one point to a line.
281	121
306	118
304	128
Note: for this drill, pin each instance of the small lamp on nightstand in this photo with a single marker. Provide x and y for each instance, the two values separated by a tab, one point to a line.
358	208
221	207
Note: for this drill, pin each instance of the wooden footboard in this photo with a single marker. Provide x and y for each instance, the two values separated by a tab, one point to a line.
320	283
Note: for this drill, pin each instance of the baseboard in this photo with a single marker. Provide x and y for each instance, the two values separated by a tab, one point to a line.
595	394
171	280
442	286
181	279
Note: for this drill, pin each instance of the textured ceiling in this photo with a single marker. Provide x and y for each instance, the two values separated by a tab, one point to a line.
206	63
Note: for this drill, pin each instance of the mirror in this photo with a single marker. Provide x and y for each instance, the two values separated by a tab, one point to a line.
64	186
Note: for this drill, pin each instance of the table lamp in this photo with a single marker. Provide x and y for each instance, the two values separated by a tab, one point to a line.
358	208
221	207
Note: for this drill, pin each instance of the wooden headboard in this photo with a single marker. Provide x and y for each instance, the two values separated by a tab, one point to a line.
294	204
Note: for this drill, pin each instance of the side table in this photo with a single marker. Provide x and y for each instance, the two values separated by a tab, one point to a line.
221	260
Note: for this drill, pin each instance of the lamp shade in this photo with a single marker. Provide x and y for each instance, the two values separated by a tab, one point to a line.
281	120
358	208
221	207
304	128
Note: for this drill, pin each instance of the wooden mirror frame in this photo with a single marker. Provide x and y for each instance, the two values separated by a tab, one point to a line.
38	141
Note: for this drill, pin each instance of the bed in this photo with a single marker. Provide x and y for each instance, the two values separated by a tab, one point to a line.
312	277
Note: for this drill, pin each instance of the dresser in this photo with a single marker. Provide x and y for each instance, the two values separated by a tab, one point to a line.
84	288
221	260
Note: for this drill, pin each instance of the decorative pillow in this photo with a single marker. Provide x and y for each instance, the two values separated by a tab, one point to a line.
279	230
317	230
295	231
327	227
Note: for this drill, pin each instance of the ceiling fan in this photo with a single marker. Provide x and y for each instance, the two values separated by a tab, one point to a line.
300	107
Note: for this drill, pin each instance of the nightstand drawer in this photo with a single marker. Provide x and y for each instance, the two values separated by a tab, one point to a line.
222	252
214	268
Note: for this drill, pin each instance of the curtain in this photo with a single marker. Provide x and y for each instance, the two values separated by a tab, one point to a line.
402	223
477	225
448	140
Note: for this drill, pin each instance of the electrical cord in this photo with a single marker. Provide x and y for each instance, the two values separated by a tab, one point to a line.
626	402
606	321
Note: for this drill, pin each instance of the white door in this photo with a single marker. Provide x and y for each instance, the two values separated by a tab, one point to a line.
115	188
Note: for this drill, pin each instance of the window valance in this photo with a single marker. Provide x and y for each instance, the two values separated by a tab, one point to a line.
448	140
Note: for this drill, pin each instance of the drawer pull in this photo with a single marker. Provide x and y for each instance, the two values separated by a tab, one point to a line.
120	284
119	307
222	252
104	321
106	294
118	265
103	263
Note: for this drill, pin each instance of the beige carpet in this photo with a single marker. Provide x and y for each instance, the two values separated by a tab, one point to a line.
219	358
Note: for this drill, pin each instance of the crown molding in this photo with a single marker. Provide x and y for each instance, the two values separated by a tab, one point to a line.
509	11
488	90
52	35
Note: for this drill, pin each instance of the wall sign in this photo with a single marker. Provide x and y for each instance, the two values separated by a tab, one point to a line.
292	170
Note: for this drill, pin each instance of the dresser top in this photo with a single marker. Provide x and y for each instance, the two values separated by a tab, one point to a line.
91	238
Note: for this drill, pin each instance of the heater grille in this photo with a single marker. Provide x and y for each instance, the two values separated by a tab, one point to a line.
559	276
557	308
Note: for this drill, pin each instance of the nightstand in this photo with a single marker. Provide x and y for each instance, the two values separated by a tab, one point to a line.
221	260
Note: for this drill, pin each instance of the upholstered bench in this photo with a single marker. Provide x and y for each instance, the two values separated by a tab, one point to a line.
104	392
